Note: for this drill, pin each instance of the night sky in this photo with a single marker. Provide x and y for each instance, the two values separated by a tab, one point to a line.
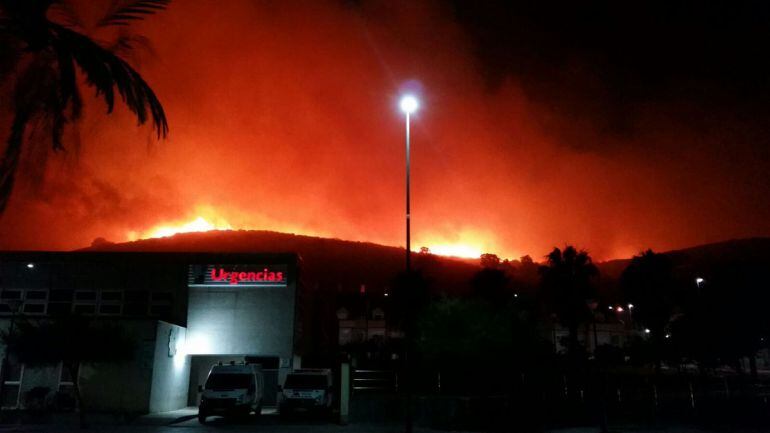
614	126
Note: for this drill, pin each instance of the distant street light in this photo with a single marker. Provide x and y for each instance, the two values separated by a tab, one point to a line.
619	309
646	330
699	282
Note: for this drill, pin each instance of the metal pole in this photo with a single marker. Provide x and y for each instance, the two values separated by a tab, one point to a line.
407	330
408	206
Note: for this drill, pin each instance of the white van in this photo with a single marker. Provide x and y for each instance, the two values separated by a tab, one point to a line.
307	389
232	389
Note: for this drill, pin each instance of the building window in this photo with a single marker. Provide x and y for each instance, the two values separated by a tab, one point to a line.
12	384
112	296
61	295
85	302
85	295
110	309
36	295
59	308
111	302
10	295
34	302
84	309
136	296
36	308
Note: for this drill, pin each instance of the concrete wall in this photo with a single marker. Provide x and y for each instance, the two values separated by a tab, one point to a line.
109	387
229	322
241	320
171	369
124	386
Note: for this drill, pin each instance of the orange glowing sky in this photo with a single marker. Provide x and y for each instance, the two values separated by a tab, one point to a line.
284	117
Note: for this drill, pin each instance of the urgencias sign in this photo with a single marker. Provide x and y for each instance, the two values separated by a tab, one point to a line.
238	275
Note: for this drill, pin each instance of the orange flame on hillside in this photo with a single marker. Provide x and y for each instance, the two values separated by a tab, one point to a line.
204	221
466	244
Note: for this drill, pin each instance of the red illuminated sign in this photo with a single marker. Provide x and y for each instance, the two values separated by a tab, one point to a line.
235	277
238	275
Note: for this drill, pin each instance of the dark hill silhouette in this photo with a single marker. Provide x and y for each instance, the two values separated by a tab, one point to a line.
349	264
324	261
701	258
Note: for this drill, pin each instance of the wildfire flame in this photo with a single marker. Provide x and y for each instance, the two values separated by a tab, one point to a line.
465	245
456	250
199	224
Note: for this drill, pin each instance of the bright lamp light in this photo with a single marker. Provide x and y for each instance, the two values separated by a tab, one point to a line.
409	104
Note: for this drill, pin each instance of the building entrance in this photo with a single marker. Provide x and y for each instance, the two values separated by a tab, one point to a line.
201	364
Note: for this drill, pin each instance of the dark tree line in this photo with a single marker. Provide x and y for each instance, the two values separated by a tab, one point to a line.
715	321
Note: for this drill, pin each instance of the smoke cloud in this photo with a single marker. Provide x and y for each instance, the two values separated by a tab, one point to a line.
283	116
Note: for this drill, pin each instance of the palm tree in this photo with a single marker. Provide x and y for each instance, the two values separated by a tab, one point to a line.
648	282
44	50
567	285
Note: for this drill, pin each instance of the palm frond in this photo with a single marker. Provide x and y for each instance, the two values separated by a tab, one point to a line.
126	45
10	158
64	13
105	72
122	12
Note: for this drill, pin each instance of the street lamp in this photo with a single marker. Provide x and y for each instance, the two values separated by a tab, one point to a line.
408	105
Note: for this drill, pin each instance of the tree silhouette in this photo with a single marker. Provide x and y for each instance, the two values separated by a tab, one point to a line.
44	48
493	286
489	261
566	280
73	341
649	284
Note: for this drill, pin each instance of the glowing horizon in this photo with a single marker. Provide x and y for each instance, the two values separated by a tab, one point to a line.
206	220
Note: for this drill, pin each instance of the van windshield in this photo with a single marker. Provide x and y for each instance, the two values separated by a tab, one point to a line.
305	381
224	382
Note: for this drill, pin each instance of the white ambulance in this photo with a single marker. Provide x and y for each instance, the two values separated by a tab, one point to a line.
232	390
308	389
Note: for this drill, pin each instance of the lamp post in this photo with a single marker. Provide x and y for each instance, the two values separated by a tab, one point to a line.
408	105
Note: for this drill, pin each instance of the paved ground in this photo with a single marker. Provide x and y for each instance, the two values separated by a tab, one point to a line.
186	421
